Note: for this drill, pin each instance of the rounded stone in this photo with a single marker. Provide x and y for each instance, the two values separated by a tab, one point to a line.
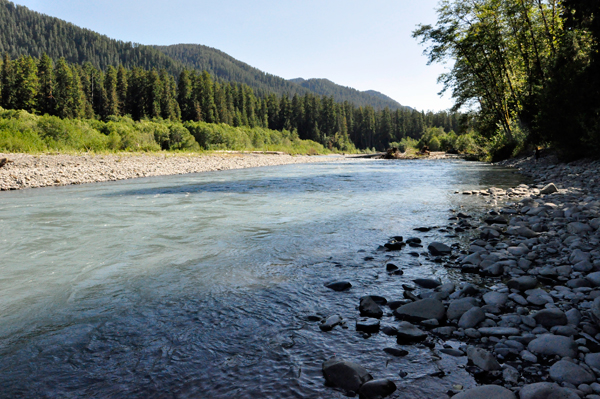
486	392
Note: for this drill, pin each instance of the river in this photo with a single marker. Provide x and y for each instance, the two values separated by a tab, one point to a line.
205	285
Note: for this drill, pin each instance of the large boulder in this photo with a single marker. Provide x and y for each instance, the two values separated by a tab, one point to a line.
458	307
564	371
549	189
377	389
483	359
369	308
552	345
546	390
486	392
425	309
407	333
345	375
549	318
439	249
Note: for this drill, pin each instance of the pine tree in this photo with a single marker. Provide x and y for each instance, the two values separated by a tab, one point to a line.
25	84
62	92
46	101
110	87
7	81
122	90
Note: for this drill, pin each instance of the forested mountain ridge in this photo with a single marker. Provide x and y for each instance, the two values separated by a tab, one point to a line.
26	32
326	87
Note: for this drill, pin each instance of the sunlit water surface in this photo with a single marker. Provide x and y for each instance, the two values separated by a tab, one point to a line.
201	285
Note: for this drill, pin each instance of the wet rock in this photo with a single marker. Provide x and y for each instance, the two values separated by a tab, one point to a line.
368	308
495	299
579	256
452	352
395	245
395	352
594	278
523	283
578	228
546	390
339	286
423	229
345	375
564	371
552	345
331	322
595	310
439	249
370	326
377	299
427	283
551	317
593	360
377	389
390	267
483	359
549	189
521	231
499	331
458	307
471	318
408	333
424	309
486	392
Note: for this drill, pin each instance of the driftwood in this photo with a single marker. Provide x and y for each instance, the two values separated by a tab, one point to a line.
4	162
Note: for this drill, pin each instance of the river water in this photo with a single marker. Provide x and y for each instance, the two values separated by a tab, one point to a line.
205	285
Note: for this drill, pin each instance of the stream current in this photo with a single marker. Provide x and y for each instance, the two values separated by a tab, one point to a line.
205	285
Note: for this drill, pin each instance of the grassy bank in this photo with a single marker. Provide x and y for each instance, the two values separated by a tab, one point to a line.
23	132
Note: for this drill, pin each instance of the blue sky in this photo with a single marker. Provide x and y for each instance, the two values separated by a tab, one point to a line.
361	44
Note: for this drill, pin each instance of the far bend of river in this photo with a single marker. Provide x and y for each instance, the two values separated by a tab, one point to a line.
201	285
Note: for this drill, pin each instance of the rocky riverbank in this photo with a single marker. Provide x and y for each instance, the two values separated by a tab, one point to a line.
21	171
528	322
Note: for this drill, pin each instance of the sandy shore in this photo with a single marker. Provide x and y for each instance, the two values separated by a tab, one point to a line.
30	171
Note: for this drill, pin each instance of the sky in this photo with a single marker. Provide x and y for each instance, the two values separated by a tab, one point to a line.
366	45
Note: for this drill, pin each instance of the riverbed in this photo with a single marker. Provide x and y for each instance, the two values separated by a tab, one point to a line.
211	284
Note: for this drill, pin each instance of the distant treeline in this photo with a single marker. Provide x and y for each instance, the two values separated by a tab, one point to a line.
75	91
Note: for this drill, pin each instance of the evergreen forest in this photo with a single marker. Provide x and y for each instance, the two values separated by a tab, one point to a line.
74	91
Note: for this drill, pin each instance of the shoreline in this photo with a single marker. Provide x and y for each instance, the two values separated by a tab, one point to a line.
43	170
530	327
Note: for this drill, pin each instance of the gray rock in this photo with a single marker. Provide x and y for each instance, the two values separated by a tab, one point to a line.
495	298
377	389
595	223
510	374
573	316
421	310
483	359
549	189
331	322
528	356
593	360
595	310
439	249
546	390
583	266
345	375
471	318
594	278
499	331
523	283
552	345
551	317
521	231
518	251
566	331
408	333
368	325
395	352
578	228
427	283
486	392
458	307
339	286
564	371
368	308
578	256
539	297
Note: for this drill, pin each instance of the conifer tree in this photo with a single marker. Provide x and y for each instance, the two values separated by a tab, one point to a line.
46	101
25	84
7	81
110	87
122	90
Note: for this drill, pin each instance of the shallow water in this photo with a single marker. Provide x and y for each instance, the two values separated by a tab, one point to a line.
201	285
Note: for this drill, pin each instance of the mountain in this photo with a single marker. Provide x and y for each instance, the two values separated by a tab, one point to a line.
326	87
26	32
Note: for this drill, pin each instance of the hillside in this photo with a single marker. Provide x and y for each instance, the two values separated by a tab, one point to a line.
326	87
26	32
227	68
